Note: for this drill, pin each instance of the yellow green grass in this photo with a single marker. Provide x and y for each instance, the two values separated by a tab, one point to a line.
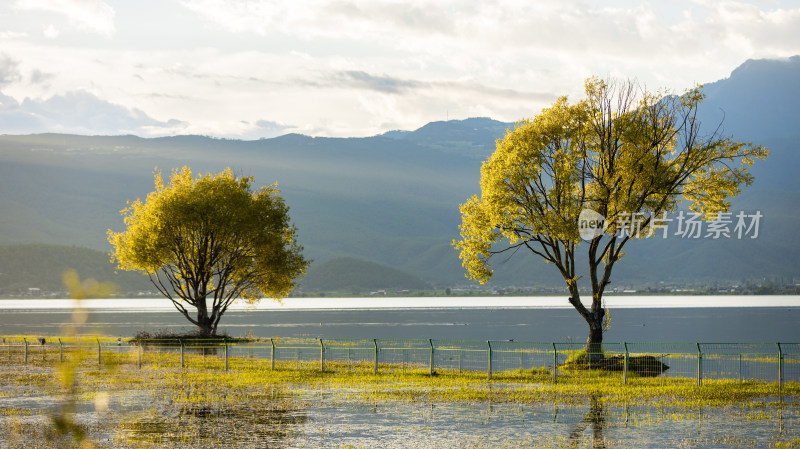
393	382
165	404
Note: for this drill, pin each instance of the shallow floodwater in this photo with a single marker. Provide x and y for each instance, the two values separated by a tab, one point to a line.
546	425
326	420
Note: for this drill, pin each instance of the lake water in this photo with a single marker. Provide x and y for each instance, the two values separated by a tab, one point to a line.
332	417
545	319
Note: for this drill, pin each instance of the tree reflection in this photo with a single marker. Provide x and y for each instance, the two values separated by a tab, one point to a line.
272	420
595	418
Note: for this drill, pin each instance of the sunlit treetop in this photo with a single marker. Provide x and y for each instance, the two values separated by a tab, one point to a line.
211	236
618	150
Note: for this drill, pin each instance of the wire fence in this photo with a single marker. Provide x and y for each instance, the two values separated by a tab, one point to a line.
767	362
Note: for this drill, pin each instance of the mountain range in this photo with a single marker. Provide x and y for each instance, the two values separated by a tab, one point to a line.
392	200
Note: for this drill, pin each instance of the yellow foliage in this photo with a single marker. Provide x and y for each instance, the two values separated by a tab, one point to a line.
620	150
211	236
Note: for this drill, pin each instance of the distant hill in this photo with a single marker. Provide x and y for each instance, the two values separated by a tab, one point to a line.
474	137
357	276
393	199
37	269
759	103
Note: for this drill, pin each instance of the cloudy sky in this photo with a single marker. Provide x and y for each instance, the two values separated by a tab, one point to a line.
260	68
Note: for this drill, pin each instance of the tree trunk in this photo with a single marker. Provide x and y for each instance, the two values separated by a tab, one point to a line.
594	344
205	325
206	328
594	317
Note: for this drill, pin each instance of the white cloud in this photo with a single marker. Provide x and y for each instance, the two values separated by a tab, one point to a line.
359	67
40	77
77	112
9	71
496	42
50	32
260	129
91	15
236	16
12	35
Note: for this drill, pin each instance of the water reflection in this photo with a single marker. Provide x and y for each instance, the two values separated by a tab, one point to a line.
272	420
596	420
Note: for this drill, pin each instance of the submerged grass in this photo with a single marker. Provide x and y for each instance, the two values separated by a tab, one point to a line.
118	404
408	383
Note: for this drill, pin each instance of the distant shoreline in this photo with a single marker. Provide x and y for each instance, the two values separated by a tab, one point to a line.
437	302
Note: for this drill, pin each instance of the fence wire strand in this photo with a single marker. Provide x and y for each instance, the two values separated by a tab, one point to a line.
768	362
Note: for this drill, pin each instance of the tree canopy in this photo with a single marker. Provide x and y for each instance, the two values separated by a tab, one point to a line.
622	152
207	241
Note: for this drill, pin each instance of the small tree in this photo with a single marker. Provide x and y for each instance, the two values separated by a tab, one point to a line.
621	152
206	242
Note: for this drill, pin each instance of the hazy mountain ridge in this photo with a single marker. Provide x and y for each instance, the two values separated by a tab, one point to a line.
758	101
356	276
41	267
393	199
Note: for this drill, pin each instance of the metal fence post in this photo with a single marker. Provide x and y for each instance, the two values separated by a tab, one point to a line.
430	342
740	368
272	354
321	355
780	367
699	366
375	366
625	367
727	355
555	363
489	365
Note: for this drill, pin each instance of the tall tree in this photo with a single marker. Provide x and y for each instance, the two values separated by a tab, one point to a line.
208	241
625	153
